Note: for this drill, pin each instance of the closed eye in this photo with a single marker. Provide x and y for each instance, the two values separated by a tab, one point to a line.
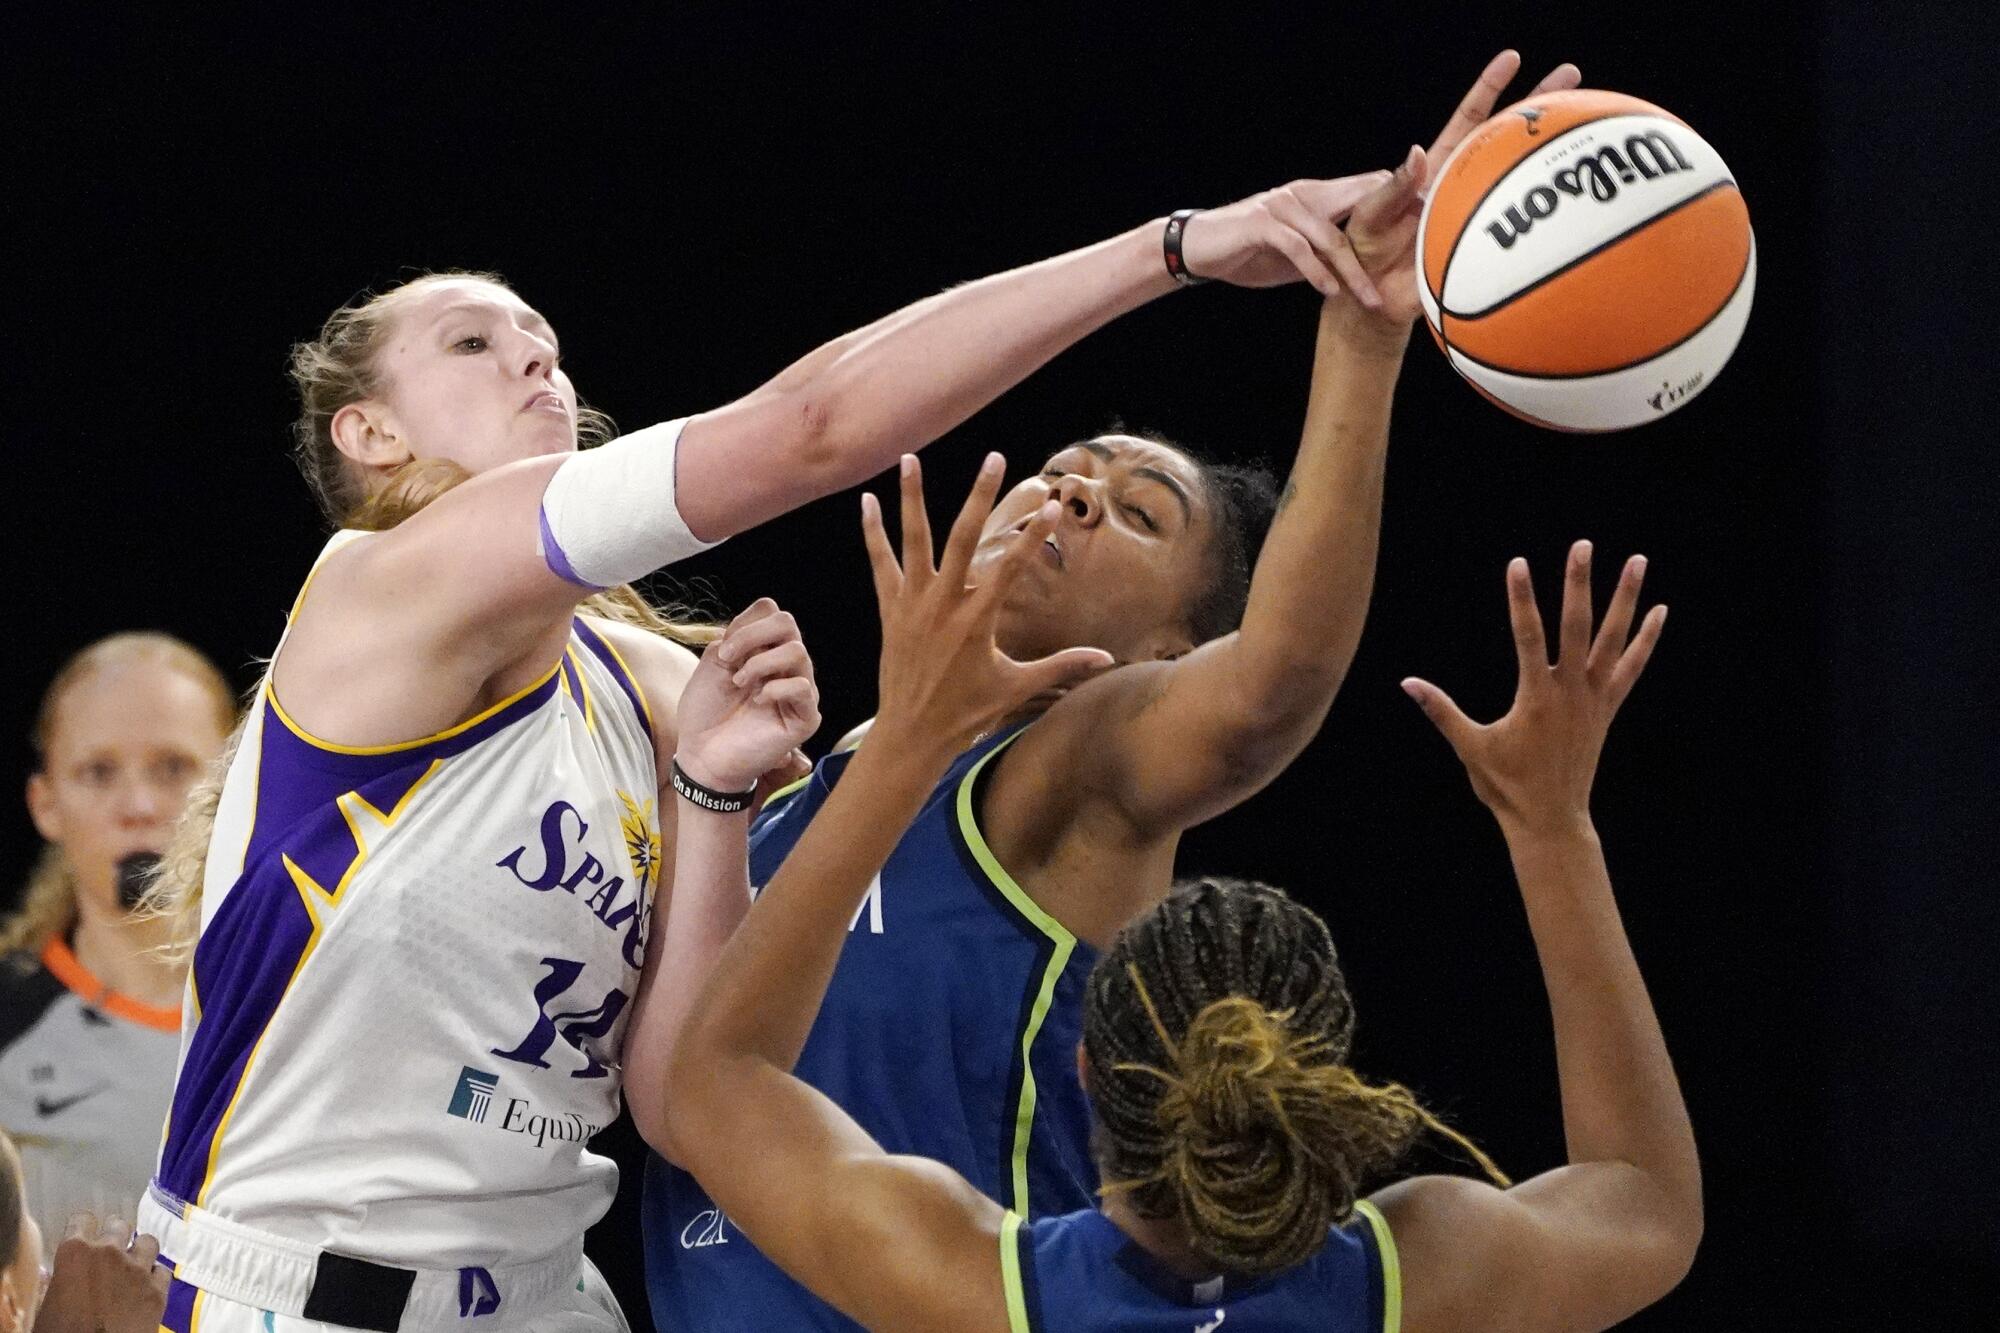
1143	517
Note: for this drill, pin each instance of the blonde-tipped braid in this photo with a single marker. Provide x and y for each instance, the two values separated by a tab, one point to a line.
1248	1127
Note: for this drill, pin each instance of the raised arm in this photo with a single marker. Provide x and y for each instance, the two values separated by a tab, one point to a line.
849	409
480	579
1588	1244
1170	744
895	1242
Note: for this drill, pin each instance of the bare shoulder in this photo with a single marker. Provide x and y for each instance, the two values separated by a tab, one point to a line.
1453	1237
1065	767
924	1250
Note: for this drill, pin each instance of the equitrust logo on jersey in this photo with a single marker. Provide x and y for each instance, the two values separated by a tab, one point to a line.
473	1096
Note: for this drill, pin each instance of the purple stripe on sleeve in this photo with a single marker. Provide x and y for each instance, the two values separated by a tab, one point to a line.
558	561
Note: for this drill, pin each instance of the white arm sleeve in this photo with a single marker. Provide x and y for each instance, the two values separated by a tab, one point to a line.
608	515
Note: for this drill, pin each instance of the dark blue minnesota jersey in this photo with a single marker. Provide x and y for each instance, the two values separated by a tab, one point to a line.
949	1031
1081	1274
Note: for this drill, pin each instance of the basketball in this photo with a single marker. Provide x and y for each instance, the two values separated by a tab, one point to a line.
1588	262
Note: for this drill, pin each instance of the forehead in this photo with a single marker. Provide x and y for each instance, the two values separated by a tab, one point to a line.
138	702
1132	451
440	299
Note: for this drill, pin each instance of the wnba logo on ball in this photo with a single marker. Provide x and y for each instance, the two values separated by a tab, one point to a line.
1648	155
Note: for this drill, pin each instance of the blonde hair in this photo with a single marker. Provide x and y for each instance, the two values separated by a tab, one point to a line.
48	900
1216	1030
335	369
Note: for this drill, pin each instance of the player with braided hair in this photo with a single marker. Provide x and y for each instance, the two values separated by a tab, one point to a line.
1249	1128
948	1030
1234	1138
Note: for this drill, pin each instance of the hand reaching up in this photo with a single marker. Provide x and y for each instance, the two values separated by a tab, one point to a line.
943	679
1533	768
1382	229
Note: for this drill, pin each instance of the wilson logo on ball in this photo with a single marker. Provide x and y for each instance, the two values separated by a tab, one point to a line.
1586	261
1648	155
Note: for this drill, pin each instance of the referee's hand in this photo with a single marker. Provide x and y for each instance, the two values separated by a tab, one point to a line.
106	1279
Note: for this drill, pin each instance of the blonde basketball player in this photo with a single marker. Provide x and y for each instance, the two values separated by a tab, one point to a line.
423	894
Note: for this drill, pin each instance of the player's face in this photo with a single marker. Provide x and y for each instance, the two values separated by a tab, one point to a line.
471	373
1126	560
129	740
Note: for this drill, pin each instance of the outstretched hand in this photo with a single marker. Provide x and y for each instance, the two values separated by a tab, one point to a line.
1382	230
943	679
1283	235
1534	767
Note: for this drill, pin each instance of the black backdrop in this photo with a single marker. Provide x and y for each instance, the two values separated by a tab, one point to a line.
1794	802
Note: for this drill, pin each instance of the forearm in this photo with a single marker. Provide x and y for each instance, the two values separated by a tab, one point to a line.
774	972
892	387
711	895
1309	593
1620	1099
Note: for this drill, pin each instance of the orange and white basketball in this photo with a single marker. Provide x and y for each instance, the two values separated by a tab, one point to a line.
1587	261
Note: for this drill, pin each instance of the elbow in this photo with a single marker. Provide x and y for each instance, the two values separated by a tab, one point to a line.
1673	1235
811	433
1684	1235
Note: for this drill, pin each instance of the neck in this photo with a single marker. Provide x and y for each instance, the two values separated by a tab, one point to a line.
1162	1237
119	951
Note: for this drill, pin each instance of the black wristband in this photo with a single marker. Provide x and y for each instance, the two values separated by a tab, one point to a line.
1170	246
708	798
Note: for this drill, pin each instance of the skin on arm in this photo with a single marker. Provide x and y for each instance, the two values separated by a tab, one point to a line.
895	1242
1590	1243
1161	746
459	595
746	706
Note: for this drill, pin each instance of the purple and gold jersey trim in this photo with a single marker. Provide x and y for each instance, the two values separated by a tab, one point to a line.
607	652
318	808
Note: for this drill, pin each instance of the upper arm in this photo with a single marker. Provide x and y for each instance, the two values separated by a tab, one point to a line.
1166	745
1572	1249
454	596
894	1242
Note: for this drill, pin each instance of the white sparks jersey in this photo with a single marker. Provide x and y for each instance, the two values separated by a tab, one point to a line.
408	999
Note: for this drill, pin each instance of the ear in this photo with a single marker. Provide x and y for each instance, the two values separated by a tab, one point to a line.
42	807
367	432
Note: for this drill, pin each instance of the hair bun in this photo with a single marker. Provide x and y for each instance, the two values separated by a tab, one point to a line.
1247	1119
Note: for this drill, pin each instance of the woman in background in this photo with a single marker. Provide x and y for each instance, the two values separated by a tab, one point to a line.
90	1009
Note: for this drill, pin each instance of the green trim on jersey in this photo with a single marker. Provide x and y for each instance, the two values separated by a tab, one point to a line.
1064	945
1392	1269
1010	1274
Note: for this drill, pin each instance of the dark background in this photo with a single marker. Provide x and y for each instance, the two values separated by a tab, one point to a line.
1797	801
